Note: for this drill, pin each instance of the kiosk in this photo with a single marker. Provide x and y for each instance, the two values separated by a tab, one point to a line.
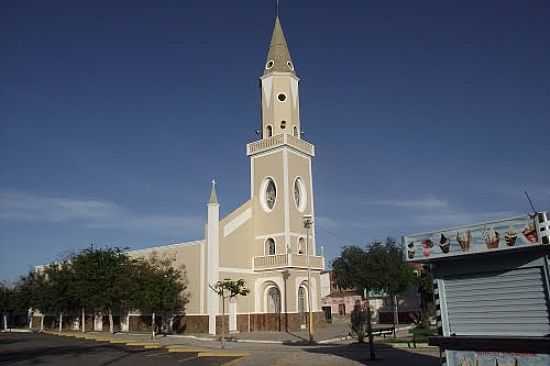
491	285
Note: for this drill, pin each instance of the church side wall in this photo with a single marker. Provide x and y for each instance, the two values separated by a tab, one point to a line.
185	257
236	231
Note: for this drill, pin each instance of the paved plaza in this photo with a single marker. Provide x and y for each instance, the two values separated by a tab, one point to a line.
121	350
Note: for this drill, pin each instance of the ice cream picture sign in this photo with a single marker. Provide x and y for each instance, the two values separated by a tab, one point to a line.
498	235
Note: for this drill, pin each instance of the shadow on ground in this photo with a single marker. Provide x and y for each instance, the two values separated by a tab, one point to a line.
37	355
385	355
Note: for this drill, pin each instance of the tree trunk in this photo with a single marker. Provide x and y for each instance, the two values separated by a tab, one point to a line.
153	324
42	323
30	314
223	321
111	324
395	316
60	322
171	325
83	320
5	317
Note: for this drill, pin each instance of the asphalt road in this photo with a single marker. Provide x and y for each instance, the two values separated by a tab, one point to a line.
32	349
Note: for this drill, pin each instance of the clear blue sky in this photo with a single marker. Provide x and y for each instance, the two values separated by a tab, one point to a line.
115	116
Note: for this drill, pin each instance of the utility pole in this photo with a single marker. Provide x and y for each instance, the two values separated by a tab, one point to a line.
308	221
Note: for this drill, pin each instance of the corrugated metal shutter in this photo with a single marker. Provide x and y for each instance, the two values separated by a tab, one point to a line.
498	303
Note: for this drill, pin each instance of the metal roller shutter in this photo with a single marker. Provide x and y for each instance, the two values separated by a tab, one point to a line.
511	302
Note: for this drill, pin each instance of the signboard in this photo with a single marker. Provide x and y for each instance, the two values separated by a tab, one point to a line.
476	358
517	232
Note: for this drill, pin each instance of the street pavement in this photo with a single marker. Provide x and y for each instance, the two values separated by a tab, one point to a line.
101	349
34	349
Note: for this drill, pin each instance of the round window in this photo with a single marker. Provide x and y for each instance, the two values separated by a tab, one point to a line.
283	125
300	195
269	64
268	194
290	65
281	97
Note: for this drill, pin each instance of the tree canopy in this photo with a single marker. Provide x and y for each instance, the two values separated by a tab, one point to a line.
98	280
379	267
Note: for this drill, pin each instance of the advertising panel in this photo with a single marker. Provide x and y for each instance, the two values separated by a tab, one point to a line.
522	231
472	358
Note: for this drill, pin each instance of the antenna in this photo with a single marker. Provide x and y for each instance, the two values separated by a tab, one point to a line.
530	202
277	9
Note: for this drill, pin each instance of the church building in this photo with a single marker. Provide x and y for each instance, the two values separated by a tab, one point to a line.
265	241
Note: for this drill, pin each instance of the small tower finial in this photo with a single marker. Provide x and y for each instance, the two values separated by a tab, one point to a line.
277	9
213	196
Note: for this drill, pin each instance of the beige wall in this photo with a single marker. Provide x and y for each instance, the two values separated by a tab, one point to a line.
184	256
236	244
273	110
268	223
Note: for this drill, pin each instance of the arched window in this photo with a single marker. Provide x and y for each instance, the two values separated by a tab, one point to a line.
273	300
270	247
302	300
295	131
301	246
269	131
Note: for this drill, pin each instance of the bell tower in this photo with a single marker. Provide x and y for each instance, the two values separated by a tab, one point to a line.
279	84
280	162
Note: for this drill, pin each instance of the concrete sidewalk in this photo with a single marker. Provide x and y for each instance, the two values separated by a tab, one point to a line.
343	354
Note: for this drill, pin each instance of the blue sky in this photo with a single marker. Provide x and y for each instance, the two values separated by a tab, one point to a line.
115	116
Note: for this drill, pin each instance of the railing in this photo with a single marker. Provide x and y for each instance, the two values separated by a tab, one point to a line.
266	262
279	140
301	261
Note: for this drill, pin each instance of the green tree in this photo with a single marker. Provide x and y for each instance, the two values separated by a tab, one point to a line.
159	288
426	292
387	263
352	271
226	290
6	303
379	268
102	281
59	291
32	293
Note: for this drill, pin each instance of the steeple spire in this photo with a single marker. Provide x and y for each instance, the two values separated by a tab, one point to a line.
213	197
278	56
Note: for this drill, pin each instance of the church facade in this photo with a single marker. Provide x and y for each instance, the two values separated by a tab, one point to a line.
264	241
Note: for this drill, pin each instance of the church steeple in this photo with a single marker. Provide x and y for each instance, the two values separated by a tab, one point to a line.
279	84
278	56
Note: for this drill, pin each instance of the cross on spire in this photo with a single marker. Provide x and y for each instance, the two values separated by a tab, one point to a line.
213	196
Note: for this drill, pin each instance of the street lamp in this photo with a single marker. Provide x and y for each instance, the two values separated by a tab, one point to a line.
308	222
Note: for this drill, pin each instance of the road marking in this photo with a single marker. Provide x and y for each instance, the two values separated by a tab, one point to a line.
187	359
159	354
222	354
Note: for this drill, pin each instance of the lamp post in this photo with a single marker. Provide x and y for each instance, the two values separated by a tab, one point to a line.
308	221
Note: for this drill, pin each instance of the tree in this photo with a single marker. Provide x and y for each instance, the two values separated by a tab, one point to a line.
426	292
159	289
386	262
32	293
228	289
102	281
380	267
6	303
59	292
352	271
